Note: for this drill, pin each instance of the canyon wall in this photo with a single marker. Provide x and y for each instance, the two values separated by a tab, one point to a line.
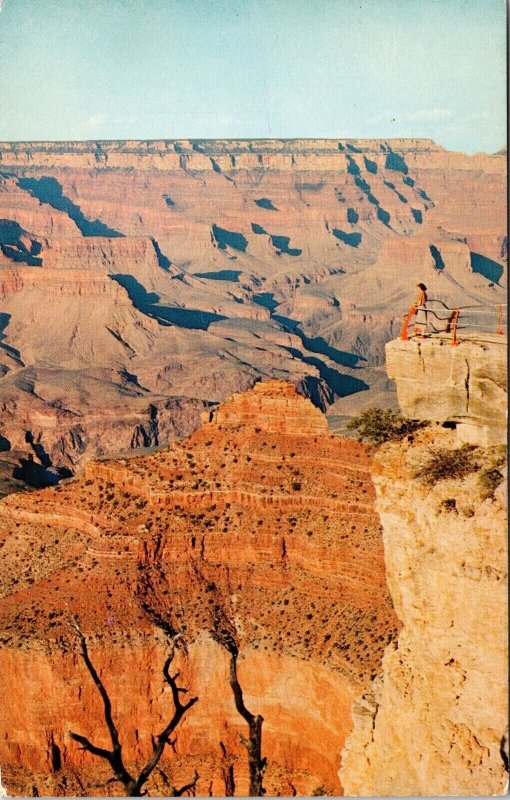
260	527
136	274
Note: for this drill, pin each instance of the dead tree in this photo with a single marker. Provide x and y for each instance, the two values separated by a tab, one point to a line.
227	770
253	744
134	785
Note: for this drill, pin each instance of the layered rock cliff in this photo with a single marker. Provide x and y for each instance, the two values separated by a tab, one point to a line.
237	260
261	524
433	722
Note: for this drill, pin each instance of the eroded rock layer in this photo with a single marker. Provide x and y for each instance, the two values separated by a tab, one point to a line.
191	269
260	526
433	724
465	385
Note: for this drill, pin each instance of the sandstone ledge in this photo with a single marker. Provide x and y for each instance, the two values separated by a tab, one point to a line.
464	384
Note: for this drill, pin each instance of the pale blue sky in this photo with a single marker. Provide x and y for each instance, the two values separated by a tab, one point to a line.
118	69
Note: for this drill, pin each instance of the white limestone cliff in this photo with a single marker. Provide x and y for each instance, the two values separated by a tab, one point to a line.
434	720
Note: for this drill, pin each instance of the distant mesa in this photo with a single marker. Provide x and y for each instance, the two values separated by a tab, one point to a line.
417	214
258	229
352	216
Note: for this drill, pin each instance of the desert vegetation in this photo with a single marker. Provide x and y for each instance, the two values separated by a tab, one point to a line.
379	425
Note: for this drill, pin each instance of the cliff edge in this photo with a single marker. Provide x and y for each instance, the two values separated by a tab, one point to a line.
433	723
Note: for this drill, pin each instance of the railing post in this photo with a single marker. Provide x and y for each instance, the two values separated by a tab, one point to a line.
404	333
500	320
456	315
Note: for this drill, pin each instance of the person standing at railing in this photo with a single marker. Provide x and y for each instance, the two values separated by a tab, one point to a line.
420	325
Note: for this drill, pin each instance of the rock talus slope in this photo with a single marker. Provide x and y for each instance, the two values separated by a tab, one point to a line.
260	526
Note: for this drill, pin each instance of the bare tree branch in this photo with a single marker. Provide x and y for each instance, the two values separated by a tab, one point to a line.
187	787
224	633
113	756
180	709
87	745
228	772
134	785
253	745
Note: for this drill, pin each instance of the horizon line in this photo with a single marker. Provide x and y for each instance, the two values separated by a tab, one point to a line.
252	139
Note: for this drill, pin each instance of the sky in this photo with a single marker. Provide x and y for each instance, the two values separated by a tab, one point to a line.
178	69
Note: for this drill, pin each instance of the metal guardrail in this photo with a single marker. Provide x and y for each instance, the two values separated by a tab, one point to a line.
450	319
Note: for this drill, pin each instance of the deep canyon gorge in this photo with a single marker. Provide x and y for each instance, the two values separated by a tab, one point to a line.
185	329
141	282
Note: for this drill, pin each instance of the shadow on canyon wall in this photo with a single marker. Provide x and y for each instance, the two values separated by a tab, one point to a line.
487	267
49	190
147	303
17	245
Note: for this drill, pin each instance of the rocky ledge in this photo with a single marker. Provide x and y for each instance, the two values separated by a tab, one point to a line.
464	385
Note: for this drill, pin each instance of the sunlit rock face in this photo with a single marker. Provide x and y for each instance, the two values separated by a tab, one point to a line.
465	384
260	526
184	271
433	723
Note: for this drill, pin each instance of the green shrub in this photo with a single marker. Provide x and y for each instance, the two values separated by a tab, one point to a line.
489	480
443	464
379	425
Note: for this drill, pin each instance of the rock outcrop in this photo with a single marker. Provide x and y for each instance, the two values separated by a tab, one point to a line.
433	723
465	385
260	526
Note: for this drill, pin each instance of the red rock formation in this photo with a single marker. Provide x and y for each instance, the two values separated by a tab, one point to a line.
261	524
230	245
